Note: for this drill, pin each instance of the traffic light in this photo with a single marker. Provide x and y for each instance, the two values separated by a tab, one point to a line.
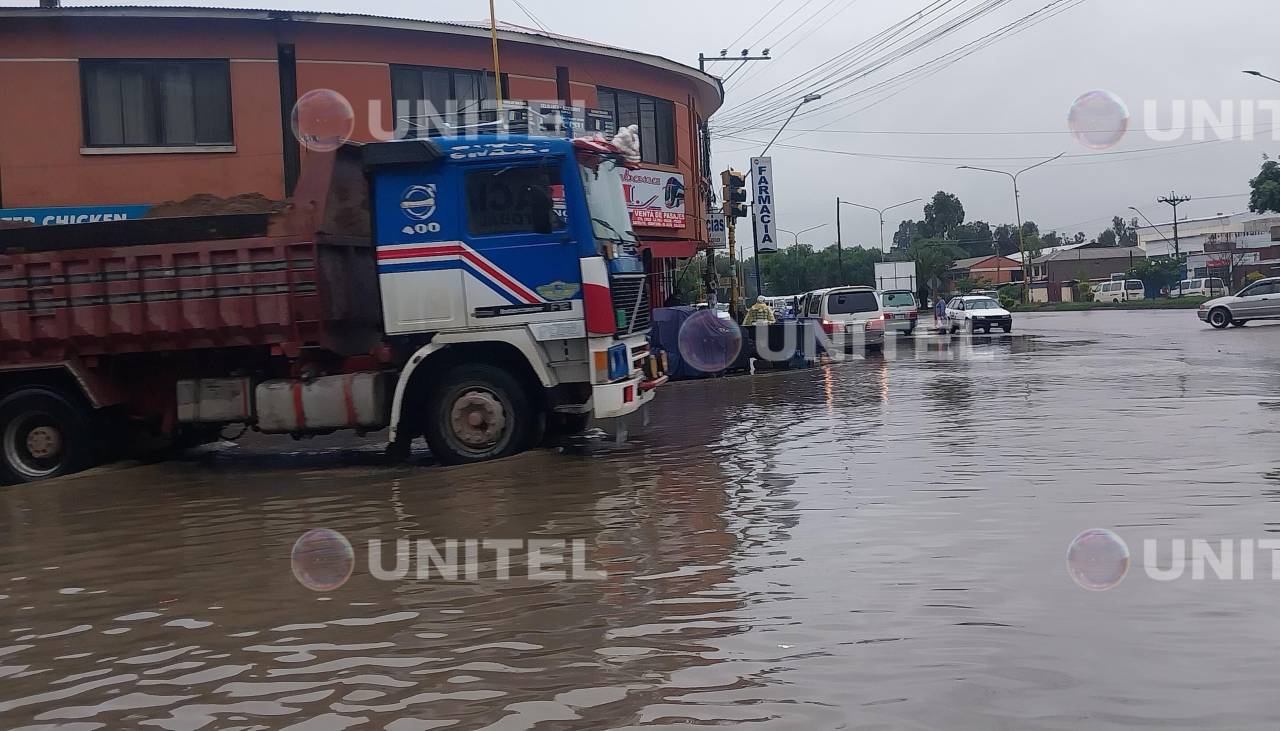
735	193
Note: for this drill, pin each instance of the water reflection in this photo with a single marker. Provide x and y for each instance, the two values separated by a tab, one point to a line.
876	543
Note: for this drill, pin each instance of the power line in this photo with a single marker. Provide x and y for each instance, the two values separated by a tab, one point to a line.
938	63
751	27
836	60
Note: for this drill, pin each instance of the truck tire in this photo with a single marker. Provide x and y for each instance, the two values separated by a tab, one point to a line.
567	425
43	434
477	413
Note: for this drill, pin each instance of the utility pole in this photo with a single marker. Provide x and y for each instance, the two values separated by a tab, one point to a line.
704	59
1175	200
839	243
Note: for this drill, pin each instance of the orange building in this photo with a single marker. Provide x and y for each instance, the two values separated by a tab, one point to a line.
109	110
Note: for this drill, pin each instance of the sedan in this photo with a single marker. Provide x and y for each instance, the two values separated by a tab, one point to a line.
1258	301
974	313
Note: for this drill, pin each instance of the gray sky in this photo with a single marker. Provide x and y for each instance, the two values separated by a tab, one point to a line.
1162	50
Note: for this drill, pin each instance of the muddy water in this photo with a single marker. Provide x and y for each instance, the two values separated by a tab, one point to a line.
878	544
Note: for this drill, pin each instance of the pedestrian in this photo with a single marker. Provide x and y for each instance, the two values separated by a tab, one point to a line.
759	312
940	312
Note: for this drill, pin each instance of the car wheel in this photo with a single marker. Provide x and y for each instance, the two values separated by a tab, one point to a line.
1220	318
1239	323
1007	328
954	328
477	413
42	435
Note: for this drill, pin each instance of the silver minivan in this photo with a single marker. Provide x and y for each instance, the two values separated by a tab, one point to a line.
851	313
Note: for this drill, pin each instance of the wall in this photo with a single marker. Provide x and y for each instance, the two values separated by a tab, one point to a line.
42	164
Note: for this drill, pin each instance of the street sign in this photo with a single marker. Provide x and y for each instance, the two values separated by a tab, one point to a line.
765	227
717	231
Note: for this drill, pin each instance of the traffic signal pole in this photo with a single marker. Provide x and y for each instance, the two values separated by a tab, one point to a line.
734	192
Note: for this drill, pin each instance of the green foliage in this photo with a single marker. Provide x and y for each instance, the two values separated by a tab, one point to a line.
798	269
1252	277
968	284
1084	291
1156	273
1266	189
933	258
943	215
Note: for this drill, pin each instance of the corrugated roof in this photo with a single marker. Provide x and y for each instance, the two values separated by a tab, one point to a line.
1079	254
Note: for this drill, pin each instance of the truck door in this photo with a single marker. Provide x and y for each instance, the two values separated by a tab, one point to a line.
417	233
522	265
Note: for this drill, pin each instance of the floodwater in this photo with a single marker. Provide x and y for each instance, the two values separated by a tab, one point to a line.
878	544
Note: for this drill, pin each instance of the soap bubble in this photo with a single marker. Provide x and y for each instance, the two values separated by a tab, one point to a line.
323	120
322	559
1098	119
708	342
1098	559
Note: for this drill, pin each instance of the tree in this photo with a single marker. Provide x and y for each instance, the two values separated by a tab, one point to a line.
905	234
975	238
1265	197
1006	239
1051	240
1126	231
1156	274
933	258
943	215
1079	238
1106	238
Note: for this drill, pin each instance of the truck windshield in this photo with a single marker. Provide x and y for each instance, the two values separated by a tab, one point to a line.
610	219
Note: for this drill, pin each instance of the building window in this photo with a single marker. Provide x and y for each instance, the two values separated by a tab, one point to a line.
656	118
514	200
428	98
156	103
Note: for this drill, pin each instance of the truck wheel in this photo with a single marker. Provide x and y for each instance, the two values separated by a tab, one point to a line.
42	435
1239	323
1220	318
477	413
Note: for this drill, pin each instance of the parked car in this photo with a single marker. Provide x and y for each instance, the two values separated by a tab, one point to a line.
1206	287
1257	301
1120	290
853	312
973	313
901	311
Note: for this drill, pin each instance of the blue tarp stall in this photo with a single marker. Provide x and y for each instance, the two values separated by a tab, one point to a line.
716	346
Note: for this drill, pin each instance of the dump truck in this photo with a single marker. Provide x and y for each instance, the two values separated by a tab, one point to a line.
480	292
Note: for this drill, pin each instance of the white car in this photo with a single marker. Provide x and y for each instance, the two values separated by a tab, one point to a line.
1258	301
974	312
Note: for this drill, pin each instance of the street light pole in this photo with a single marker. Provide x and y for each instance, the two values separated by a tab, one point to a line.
1261	75
755	237
795	235
879	211
1017	207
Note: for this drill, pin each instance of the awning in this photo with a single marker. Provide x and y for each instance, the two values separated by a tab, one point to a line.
671	249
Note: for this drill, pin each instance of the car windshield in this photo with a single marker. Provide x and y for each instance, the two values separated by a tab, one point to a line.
898	299
981	304
848	303
610	218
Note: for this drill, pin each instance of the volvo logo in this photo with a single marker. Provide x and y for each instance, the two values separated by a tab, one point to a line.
419	201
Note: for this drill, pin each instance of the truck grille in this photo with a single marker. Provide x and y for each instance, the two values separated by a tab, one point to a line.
625	289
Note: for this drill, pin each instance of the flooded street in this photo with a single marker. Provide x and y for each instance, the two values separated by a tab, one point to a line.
876	544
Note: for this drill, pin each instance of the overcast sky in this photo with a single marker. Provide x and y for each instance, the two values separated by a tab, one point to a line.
1162	50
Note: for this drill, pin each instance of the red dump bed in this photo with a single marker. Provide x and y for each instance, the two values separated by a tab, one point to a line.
192	283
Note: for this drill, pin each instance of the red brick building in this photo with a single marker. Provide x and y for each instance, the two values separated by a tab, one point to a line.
119	108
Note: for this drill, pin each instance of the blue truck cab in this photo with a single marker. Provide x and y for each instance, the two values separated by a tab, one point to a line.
513	253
